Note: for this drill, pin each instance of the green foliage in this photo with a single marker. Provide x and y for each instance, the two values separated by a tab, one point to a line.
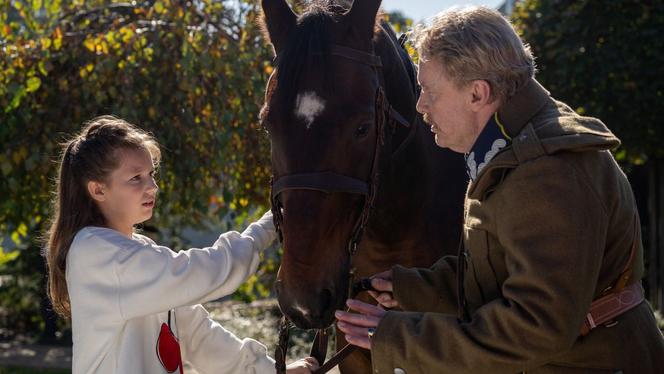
399	21
605	59
193	73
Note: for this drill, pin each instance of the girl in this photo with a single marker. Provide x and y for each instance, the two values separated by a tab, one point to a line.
135	305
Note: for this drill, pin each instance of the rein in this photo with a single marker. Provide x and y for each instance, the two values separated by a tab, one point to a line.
329	182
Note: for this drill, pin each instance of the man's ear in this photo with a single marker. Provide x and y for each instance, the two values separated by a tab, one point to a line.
480	91
97	190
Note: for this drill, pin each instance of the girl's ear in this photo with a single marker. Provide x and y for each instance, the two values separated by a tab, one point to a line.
97	190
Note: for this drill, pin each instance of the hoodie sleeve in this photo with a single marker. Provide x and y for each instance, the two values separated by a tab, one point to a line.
210	348
140	278
153	278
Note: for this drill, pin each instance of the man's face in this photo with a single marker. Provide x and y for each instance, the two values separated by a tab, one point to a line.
446	107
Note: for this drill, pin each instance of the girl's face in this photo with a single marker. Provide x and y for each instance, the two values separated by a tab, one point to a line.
130	193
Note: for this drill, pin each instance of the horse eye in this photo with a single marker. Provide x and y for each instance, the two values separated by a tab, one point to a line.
362	130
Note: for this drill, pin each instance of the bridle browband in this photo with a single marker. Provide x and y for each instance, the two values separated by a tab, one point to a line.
330	182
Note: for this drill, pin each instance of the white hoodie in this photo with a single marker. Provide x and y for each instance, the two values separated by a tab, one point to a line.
121	290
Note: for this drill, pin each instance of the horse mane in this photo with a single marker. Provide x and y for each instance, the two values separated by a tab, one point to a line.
308	45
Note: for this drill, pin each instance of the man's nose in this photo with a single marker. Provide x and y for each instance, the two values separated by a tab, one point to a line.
421	106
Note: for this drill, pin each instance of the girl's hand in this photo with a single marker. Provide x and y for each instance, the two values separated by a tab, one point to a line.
303	366
383	283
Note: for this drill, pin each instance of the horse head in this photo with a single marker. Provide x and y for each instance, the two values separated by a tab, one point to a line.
325	111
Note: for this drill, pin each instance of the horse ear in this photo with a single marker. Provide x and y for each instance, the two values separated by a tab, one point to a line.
279	21
362	16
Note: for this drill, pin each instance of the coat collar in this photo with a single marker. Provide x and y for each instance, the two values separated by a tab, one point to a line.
515	113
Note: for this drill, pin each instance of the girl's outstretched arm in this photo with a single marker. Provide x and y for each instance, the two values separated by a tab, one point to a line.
137	277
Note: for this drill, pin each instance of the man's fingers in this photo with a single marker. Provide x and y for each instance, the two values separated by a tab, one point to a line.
357	319
365	308
349	329
381	284
355	335
387	274
385	299
388	303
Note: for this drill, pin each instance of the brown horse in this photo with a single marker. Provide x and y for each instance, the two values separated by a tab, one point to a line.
351	159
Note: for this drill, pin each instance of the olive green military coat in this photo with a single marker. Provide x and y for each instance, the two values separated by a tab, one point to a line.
549	224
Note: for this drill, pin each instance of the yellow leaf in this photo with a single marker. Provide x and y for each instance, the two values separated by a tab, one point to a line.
7	257
42	67
127	34
15	238
46	43
22	229
57	38
33	84
89	44
110	37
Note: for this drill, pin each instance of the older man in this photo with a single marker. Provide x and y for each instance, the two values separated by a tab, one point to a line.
548	278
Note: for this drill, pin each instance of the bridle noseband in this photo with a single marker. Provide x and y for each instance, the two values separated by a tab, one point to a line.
329	182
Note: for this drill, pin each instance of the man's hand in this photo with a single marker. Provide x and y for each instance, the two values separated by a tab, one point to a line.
383	283
303	366
359	327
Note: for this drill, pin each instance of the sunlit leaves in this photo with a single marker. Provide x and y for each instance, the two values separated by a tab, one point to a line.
183	71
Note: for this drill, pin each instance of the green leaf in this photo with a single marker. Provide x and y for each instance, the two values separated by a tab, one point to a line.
33	84
42	67
36	5
8	256
16	100
16	238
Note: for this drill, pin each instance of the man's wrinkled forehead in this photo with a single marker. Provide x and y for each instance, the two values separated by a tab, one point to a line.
429	72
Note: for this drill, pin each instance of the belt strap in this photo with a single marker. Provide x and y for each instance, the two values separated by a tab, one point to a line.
620	298
607	308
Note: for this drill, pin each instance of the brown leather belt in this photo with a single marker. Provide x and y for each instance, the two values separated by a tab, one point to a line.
608	307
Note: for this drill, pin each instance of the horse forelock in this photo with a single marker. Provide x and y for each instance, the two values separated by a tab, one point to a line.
307	47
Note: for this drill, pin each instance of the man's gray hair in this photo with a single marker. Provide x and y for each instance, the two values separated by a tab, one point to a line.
477	43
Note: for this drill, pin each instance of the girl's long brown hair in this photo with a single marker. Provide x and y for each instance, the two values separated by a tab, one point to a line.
89	156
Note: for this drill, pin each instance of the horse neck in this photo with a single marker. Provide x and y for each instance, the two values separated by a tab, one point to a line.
404	180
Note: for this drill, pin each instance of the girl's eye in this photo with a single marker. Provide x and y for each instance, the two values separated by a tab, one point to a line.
136	178
362	131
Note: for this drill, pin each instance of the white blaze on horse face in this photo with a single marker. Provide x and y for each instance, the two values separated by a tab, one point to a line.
307	106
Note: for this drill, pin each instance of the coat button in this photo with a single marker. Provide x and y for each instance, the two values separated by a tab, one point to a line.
399	371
